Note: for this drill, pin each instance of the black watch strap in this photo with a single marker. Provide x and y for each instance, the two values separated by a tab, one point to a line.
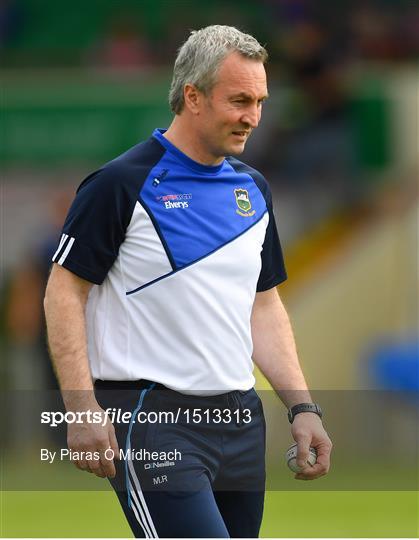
304	407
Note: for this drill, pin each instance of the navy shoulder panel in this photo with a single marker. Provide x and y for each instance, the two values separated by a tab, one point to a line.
135	163
102	209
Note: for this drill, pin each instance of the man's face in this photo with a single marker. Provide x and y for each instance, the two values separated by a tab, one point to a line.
233	108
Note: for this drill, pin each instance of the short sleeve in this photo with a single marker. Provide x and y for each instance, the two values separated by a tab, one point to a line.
95	226
273	267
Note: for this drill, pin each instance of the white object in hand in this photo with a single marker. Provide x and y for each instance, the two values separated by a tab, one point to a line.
291	457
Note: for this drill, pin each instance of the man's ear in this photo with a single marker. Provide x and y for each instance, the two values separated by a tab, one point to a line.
193	98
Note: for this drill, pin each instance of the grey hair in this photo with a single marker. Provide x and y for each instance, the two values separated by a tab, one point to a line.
199	58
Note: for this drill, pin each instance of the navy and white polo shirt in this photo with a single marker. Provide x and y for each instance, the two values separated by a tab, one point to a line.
177	251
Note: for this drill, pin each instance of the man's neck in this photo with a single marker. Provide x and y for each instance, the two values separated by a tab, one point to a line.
184	138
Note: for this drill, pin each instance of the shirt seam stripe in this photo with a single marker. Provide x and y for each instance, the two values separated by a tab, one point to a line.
158	231
196	260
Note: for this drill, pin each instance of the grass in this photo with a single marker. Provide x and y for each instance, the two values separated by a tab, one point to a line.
287	514
75	504
341	514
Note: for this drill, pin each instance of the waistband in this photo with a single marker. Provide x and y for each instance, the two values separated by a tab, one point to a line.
126	385
142	384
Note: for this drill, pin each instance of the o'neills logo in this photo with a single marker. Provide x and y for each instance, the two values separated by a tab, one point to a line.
243	202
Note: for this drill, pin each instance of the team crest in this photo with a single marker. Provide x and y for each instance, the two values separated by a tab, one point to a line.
243	202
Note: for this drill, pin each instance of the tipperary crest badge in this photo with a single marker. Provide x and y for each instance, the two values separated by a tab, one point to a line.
243	202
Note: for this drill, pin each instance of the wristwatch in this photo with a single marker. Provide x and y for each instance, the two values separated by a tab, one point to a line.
304	407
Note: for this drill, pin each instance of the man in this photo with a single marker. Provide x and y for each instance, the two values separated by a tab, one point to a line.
162	292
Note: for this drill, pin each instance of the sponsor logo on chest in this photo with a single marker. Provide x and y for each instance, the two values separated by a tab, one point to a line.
175	200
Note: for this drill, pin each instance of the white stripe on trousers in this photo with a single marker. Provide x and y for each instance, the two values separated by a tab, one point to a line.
141	498
135	505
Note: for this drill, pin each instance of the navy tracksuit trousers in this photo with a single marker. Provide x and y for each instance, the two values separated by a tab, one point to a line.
206	477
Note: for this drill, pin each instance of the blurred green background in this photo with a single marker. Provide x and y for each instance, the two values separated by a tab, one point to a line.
82	81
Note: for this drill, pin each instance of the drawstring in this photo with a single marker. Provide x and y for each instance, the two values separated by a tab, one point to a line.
235	404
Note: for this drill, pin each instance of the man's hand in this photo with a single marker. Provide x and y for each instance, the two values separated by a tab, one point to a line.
91	437
275	353
307	430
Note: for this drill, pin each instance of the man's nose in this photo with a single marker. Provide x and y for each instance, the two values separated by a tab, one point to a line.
252	117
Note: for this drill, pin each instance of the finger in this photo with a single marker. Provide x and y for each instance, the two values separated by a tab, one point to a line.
83	465
323	462
107	456
311	472
303	446
76	464
302	476
95	467
107	465
323	449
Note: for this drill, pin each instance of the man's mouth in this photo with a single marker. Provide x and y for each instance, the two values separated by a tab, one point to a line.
241	133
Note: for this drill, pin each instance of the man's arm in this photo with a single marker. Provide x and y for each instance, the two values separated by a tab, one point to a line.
65	304
275	353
